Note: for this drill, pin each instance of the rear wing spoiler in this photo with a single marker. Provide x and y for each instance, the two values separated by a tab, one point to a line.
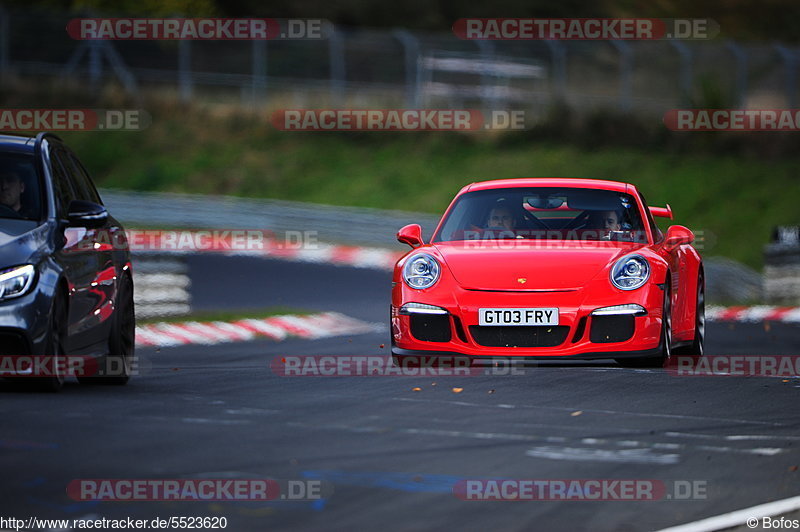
663	212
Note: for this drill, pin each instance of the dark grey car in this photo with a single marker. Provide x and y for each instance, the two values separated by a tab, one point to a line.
66	290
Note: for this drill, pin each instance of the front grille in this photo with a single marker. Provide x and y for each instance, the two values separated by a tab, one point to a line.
431	327
510	336
608	329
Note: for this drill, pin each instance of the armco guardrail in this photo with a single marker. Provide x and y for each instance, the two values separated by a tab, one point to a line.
727	281
730	282
782	267
325	223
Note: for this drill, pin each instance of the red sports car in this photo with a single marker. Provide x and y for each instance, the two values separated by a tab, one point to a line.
556	268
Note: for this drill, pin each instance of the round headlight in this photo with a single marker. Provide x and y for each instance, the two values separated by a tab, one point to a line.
421	271
630	272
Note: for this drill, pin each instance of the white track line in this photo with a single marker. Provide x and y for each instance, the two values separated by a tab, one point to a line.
739	517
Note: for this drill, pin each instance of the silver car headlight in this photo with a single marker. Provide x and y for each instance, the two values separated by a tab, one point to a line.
630	272
421	271
16	282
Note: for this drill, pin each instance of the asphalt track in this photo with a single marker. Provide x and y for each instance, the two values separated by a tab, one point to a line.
393	455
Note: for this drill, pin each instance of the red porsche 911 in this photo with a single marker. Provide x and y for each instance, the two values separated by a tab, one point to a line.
549	268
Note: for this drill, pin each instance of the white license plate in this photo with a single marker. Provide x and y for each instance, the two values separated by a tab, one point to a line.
518	316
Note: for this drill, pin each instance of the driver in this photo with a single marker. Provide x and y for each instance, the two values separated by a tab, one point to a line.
501	217
609	221
11	189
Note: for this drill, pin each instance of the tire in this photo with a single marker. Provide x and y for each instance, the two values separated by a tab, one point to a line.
666	339
121	342
697	348
56	338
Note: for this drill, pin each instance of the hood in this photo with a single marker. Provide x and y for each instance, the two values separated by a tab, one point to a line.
542	265
20	241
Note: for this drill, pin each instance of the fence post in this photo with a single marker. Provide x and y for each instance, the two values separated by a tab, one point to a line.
118	66
184	70
625	74
337	81
411	55
790	61
558	58
686	70
259	87
741	72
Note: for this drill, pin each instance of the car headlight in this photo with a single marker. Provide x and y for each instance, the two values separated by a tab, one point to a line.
421	271
15	282
630	272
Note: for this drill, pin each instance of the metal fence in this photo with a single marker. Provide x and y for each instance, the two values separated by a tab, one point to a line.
361	67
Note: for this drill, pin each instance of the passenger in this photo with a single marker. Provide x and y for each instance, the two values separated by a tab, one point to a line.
609	221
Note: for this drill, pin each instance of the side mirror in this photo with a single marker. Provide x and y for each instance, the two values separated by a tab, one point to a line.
411	235
86	214
677	235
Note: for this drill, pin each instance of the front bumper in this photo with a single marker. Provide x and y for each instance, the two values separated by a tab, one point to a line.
578	335
24	322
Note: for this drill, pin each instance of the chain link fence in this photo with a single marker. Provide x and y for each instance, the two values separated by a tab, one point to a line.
361	67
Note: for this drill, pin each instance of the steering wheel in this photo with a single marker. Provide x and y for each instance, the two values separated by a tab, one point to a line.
5	210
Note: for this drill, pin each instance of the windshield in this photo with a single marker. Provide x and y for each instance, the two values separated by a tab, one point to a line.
19	187
545	213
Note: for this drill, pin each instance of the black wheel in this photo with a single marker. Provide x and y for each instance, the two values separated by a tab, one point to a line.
697	347
121	342
666	339
56	339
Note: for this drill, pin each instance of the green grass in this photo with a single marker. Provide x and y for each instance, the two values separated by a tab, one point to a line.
226	315
735	200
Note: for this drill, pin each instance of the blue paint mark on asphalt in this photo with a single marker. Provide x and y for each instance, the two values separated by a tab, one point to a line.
411	482
318	505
